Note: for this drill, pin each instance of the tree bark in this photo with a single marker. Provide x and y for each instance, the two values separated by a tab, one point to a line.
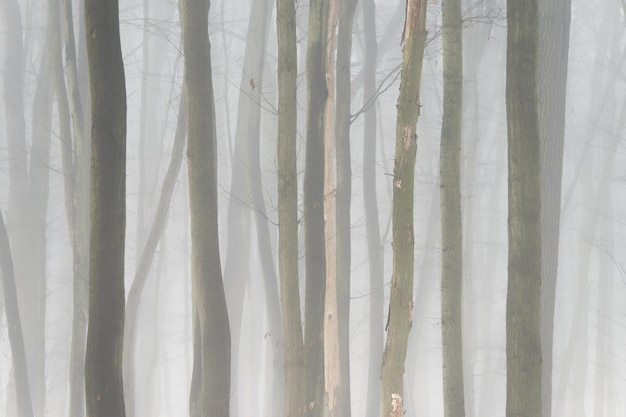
105	334
332	376
212	341
554	23
370	201
16	338
401	292
315	263
294	371
343	196
523	308
451	219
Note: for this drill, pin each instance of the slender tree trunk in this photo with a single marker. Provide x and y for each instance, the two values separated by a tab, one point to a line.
401	296
237	272
16	338
370	200
294	371
523	308
344	196
332	376
554	22
147	255
33	266
211	389
105	334
451	224
76	162
315	263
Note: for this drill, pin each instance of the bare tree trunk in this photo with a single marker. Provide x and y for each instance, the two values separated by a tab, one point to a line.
315	262
76	161
211	389
332	375
554	22
451	223
16	338
105	335
147	255
237	272
33	252
401	296
294	371
523	308
344	196
370	200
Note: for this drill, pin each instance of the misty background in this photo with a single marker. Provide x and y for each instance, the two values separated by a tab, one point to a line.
589	366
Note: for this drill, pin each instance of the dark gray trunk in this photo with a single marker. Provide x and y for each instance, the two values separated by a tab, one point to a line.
105	334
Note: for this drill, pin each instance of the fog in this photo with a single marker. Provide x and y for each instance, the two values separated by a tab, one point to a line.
589	364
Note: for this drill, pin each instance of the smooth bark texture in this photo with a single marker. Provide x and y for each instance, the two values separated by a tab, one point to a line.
246	197
211	386
554	23
16	338
105	334
332	376
75	157
30	246
18	209
294	371
401	292
343	197
315	263
147	255
370	201
237	273
451	219
523	307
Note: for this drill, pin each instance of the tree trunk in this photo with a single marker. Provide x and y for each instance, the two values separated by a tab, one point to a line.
523	307
451	223
147	255
212	341
554	22
105	334
315	263
401	292
343	196
370	201
31	251
332	376
16	339
294	371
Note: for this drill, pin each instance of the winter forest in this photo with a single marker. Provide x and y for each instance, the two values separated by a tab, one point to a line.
320	208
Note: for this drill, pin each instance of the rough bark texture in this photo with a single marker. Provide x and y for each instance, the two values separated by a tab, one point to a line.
401	292
451	223
315	264
16	338
105	334
343	196
554	23
212	338
294	370
523	309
